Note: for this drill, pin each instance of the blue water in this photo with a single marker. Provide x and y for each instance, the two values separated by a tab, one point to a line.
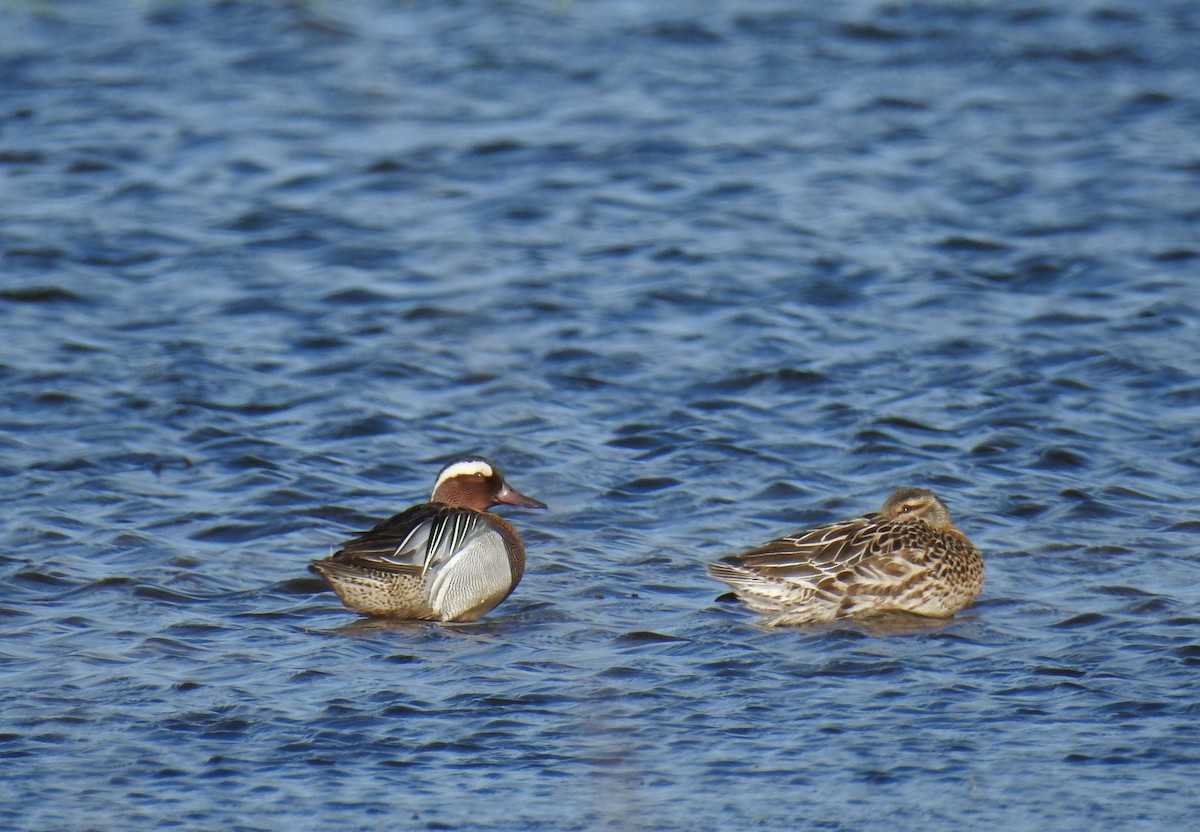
696	274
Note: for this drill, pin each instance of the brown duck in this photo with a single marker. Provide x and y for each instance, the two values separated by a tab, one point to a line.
909	558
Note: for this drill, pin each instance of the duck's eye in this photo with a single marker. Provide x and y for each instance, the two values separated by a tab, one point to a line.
908	507
479	474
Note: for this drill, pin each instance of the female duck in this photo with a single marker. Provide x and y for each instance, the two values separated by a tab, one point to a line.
446	560
909	557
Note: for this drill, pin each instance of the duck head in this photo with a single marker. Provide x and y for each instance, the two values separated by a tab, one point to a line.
916	504
476	483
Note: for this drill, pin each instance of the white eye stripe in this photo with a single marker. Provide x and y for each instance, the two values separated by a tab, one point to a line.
466	468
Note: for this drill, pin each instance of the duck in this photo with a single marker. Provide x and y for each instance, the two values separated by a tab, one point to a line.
908	557
448	559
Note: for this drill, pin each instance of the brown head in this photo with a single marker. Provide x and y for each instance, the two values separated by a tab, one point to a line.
476	483
916	504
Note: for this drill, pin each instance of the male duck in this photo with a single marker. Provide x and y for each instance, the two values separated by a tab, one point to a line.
446	560
909	557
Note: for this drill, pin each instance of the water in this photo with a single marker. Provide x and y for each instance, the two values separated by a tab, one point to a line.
695	274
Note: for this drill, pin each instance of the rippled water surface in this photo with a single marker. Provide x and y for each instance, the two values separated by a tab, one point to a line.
695	274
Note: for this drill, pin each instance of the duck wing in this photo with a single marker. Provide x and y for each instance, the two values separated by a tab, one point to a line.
823	550
422	538
852	563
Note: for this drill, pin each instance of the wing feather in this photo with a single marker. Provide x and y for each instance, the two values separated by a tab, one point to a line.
422	538
820	550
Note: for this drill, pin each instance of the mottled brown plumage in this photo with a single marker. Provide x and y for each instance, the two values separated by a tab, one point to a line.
908	558
446	560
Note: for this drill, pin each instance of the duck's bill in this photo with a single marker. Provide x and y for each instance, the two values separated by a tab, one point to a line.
512	497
